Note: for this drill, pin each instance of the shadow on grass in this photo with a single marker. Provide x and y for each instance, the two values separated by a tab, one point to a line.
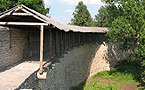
124	70
129	67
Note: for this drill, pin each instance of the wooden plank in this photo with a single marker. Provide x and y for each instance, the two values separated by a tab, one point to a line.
70	41
66	40
6	14
61	47
22	23
63	41
41	49
22	14
79	38
55	49
50	43
53	43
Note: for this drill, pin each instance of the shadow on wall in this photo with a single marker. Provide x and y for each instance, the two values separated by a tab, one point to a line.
70	70
107	57
80	63
76	65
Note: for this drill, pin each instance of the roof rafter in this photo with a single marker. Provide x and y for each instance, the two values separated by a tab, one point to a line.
22	23
22	14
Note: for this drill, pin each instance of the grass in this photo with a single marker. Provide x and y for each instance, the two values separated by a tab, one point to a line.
125	75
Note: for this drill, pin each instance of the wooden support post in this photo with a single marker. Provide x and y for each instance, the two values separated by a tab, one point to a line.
41	49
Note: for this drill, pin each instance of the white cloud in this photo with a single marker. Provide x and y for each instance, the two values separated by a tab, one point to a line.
87	2
62	19
46	2
68	11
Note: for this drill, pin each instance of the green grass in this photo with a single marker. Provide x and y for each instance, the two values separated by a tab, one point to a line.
125	73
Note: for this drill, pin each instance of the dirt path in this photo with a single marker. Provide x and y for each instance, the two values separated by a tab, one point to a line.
13	77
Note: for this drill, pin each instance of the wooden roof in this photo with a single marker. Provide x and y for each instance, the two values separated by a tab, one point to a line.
22	15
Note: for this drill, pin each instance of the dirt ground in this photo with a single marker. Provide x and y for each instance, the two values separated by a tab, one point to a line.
122	86
14	76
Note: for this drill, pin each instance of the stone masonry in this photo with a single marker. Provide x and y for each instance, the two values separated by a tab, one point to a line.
76	66
17	45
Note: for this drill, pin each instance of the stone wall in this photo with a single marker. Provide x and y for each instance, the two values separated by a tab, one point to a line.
12	44
17	45
77	65
71	68
106	57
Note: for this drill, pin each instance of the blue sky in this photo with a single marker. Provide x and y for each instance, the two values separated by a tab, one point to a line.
61	10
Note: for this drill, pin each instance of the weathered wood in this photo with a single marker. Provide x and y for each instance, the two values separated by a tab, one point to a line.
57	42
61	42
22	23
47	64
83	37
74	40
53	43
5	14
79	38
71	39
55	53
41	49
72	36
50	43
21	14
70	45
66	40
34	15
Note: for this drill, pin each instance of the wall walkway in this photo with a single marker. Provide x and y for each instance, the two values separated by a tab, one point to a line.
13	77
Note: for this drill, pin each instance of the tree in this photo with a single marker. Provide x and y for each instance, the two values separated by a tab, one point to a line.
6	4
106	15
128	28
126	19
37	5
81	16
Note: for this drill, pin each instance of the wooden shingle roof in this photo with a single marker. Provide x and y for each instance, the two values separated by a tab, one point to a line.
46	21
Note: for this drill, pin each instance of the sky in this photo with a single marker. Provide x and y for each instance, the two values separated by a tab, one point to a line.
61	10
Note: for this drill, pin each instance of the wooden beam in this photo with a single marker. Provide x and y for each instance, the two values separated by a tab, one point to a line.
22	23
41	49
34	15
6	14
22	14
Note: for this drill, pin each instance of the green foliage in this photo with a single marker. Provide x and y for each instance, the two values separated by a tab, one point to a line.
106	15
81	16
127	24
122	32
140	89
6	4
37	5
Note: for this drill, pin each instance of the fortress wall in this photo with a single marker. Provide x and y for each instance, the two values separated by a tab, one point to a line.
78	56
76	65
